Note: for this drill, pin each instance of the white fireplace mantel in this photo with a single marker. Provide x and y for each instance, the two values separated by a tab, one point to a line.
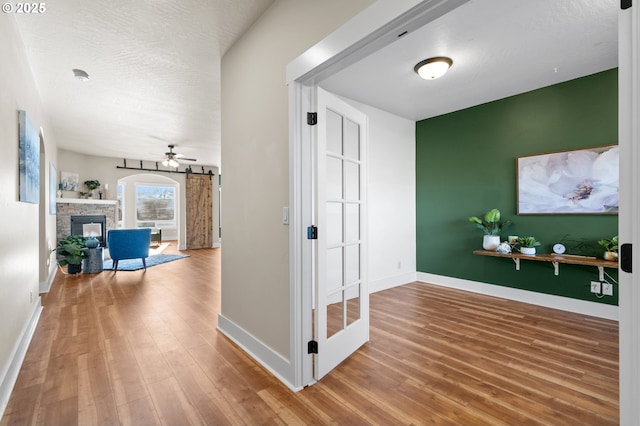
84	201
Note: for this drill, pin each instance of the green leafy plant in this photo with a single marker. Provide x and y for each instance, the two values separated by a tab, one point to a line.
92	184
528	242
610	245
72	249
491	223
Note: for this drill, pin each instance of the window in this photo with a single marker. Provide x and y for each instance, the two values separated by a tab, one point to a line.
155	206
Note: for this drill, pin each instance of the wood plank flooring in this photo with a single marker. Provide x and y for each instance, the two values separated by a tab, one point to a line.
136	348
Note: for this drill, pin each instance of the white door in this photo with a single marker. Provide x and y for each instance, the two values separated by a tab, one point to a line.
341	314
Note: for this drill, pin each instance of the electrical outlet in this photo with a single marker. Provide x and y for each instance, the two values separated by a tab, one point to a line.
595	287
607	289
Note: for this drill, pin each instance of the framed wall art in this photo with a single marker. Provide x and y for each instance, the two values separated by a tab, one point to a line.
69	181
582	181
29	160
53	186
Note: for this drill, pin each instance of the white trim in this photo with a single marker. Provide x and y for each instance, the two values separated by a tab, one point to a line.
370	30
216	245
45	286
83	201
547	300
12	369
629	138
300	289
390	282
275	363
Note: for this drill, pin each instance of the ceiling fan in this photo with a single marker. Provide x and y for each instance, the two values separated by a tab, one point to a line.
173	158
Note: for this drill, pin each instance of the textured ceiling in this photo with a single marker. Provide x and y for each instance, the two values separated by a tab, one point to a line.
154	69
499	48
155	65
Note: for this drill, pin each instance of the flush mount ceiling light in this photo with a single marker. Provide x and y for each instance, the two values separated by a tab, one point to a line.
432	68
80	74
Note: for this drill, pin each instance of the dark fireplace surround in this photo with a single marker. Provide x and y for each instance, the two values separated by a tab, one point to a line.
78	220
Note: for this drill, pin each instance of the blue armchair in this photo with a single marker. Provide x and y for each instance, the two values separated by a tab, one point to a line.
129	244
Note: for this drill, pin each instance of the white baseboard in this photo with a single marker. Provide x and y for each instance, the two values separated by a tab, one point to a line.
390	282
11	370
46	285
280	367
584	307
216	245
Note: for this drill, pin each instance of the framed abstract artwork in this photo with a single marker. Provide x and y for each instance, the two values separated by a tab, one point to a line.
29	160
69	181
582	181
53	186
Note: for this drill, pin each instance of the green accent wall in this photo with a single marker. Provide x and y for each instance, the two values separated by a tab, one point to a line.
466	165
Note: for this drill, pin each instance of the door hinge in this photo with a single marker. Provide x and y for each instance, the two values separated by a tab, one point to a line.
312	118
625	4
312	347
312	232
625	258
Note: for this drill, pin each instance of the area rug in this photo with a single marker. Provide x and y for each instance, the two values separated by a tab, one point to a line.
135	264
157	250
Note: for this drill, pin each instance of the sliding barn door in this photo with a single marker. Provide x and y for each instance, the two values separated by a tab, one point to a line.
199	211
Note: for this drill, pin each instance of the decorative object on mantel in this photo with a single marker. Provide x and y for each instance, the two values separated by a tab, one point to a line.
187	170
528	245
73	250
611	247
491	225
91	185
69	181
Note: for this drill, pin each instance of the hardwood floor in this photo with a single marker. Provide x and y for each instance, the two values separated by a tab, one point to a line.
136	348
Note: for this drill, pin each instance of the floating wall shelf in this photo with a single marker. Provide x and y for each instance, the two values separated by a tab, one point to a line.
555	259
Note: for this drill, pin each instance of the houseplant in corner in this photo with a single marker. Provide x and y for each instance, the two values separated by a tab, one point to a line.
611	247
491	225
528	245
73	250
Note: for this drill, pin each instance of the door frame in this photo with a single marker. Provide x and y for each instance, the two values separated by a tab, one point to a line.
629	141
376	27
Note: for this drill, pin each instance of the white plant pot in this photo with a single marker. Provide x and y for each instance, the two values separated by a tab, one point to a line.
610	255
491	242
528	250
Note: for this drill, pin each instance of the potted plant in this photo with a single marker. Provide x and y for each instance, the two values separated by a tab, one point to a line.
528	245
92	185
611	248
491	225
73	250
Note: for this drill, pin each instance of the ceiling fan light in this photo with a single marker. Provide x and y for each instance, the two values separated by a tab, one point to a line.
433	68
173	163
165	163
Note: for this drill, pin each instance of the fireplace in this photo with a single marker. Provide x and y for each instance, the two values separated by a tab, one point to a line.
77	228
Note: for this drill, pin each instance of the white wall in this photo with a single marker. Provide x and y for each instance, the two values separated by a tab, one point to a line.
23	239
104	169
255	144
392	198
